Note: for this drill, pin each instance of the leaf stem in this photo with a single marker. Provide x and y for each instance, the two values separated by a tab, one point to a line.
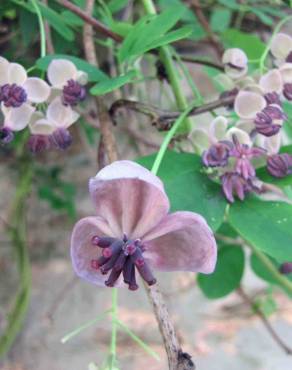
41	26
114	315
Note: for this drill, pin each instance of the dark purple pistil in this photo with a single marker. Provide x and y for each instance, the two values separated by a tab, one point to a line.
61	138
12	95
73	93
6	135
122	257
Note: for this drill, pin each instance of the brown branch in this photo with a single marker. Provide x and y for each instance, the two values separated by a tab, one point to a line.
196	6
49	41
265	321
163	119
90	20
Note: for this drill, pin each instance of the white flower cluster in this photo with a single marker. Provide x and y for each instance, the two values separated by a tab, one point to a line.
46	109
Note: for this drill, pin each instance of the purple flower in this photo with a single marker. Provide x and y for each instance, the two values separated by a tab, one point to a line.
40	143
243	154
280	165
61	138
12	95
268	121
233	183
133	231
73	93
217	155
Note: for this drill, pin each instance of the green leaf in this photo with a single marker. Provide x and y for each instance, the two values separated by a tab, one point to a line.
265	225
188	188
220	20
266	19
261	271
94	74
227	275
251	44
111	84
232	4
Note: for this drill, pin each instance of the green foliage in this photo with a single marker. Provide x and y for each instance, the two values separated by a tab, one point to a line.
227	275
266	225
220	20
188	188
111	84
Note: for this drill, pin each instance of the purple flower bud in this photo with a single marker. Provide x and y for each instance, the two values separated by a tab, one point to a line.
233	183
286	268
265	126
287	91
217	155
61	138
280	165
273	98
73	93
12	95
39	143
6	135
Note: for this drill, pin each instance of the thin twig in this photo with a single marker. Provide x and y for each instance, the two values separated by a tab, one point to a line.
49	41
163	119
265	321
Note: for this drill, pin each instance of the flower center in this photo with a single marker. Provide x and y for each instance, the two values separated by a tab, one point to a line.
122	257
73	93
12	95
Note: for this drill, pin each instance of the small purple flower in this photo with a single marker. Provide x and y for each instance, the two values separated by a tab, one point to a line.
73	93
39	143
244	154
273	98
12	95
264	120
61	138
286	268
233	183
6	135
287	91
279	165
133	231
217	155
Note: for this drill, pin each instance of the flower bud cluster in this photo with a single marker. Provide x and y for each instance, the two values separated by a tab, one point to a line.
47	109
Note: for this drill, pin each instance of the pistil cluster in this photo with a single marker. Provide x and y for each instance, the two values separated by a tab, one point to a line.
122	256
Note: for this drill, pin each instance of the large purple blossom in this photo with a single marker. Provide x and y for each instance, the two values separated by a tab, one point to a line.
133	231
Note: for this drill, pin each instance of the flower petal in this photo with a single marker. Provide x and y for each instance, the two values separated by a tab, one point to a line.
83	252
17	118
236	57
281	45
272	144
245	125
16	74
61	115
60	71
38	125
129	197
247	104
272	81
286	72
218	127
181	242
82	77
4	65
38	91
200	139
242	136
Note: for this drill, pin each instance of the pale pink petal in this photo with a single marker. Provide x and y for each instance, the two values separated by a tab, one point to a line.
17	118
286	72
200	139
38	125
236	57
272	81
242	136
38	91
281	45
16	74
4	64
59	114
129	197
271	144
82	77
60	71
247	104
181	242
218	127
82	250
245	125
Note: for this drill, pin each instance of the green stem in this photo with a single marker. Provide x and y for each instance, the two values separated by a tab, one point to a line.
168	138
267	49
169	65
272	269
114	310
41	26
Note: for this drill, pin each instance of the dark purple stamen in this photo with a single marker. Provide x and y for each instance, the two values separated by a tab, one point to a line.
12	95
287	91
6	135
73	93
40	143
280	165
273	98
265	126
62	138
122	256
217	155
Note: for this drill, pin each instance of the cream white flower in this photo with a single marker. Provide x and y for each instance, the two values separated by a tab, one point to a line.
235	62
281	47
17	119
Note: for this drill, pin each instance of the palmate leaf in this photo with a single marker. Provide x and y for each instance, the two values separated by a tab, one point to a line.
188	188
147	31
